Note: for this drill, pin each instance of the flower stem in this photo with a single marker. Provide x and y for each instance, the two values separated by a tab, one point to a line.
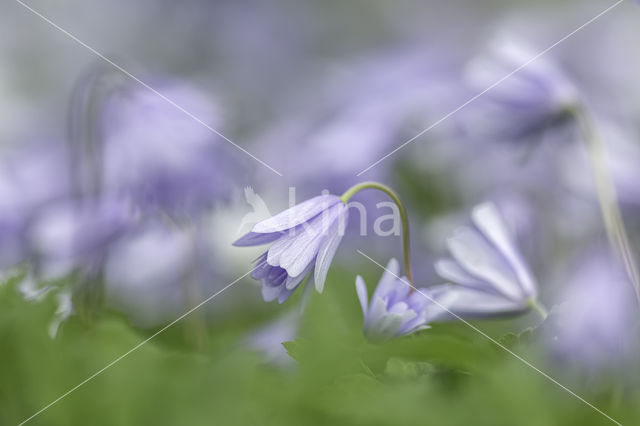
607	197
537	306
403	218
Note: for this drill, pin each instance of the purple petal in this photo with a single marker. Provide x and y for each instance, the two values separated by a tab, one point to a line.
270	293
256	239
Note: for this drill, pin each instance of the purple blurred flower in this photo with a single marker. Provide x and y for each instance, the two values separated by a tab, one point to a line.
159	156
305	237
394	310
268	339
72	234
595	324
30	178
490	275
535	98
150	272
363	111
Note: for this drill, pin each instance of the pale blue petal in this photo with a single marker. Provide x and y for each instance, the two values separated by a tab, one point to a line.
473	303
284	295
389	326
481	260
328	250
293	281
270	293
296	215
488	220
451	270
377	310
278	248
388	283
306	243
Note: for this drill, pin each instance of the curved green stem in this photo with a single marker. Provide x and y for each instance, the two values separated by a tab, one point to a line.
403	218
537	306
607	196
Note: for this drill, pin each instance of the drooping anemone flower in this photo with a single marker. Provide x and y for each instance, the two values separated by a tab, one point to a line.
305	238
487	272
521	96
395	310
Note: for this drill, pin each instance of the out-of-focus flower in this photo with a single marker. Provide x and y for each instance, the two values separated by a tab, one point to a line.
394	310
73	234
151	272
489	274
268	339
535	98
30	178
595	324
159	156
305	238
364	110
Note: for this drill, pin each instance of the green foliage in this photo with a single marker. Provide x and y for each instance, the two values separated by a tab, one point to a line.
448	375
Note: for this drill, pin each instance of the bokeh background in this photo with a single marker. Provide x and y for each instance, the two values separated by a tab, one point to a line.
118	209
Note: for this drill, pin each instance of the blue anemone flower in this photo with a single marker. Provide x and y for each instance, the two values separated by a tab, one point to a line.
532	99
490	276
305	238
394	310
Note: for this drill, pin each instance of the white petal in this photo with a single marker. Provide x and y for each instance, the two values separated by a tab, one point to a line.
487	218
292	282
451	271
481	259
306	243
361	289
389	326
377	310
467	302
328	250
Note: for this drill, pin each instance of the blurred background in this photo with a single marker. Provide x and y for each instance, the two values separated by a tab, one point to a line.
121	192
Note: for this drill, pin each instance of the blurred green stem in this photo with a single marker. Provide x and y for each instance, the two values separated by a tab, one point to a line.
607	196
196	325
403	218
537	306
